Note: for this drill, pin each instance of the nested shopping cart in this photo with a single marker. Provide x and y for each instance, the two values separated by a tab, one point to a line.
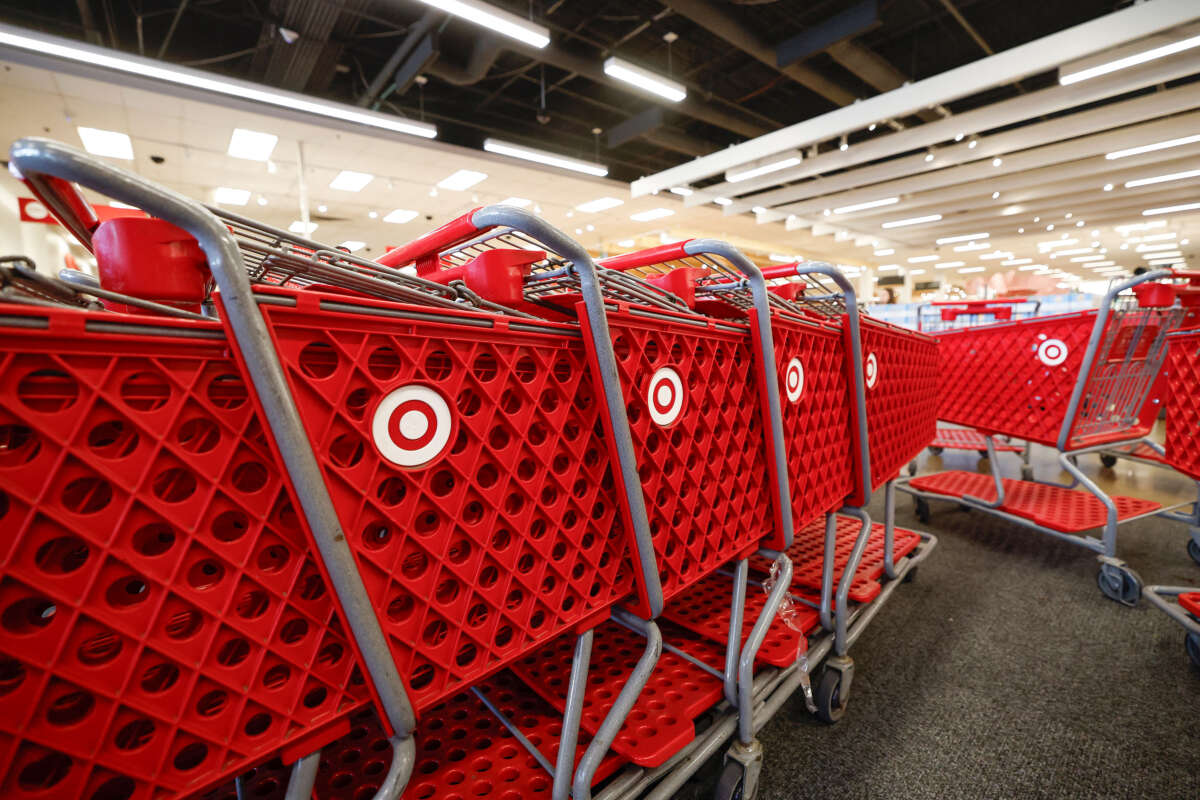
938	317
1075	382
456	538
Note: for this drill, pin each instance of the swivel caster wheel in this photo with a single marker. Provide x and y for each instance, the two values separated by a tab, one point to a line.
912	468
937	451
1108	460
741	771
831	706
1192	643
732	783
921	509
1194	550
1120	583
1026	473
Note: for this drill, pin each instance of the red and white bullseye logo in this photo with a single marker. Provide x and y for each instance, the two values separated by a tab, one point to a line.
1052	352
871	371
411	426
793	380
665	396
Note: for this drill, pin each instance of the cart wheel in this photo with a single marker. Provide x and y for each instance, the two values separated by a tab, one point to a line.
731	782
937	451
1194	550
1192	643
1108	460
828	697
912	468
921	509
1026	472
982	453
910	576
1120	584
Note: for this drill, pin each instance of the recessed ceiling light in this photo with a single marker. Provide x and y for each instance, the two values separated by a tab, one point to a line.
1020	230
262	201
400	216
544	157
971	145
373	214
887	201
590	227
252	145
462	180
111	144
353	245
322	208
519	202
901	223
599	204
299	227
929	157
578	231
1050	227
626	243
350	181
652	214
997	161
231	197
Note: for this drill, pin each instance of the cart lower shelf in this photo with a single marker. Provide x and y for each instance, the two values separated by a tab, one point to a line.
1190	602
1053	507
968	439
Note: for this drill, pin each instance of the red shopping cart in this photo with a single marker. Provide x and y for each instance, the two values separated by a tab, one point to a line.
1076	382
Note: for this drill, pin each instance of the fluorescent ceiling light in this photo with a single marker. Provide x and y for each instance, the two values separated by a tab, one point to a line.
1074	251
948	264
111	144
462	180
626	243
542	157
599	204
644	79
902	223
966	237
922	259
495	19
1130	61
1170	254
965	270
231	197
1100	264
519	202
682	191
722	201
652	214
1057	243
1174	176
916	272
1140	226
1013	262
350	181
400	215
887	201
889	268
182	76
1147	148
1085	259
298	227
1147	248
1030	267
970	246
1154	237
997	254
1164	262
1150	212
782	258
252	145
755	171
353	245
886	252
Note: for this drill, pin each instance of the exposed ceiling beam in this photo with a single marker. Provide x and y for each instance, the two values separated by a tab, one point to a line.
1039	55
874	70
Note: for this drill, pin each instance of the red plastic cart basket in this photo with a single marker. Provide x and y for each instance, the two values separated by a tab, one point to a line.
1183	409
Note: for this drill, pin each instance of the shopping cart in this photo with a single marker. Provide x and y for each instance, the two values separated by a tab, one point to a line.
1075	382
1185	610
486	587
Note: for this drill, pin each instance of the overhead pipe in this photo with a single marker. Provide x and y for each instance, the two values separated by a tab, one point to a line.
415	33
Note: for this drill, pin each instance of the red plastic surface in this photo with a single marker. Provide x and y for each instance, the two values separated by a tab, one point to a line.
704	475
424	249
704	610
1183	407
1053	507
151	259
815	414
902	397
992	378
808	550
660	722
967	439
1190	602
511	534
163	624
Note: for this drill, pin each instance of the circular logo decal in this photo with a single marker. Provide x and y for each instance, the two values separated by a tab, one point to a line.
411	426
872	371
793	380
1052	352
665	396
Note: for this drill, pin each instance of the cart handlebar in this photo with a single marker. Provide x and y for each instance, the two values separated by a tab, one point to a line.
431	244
648	257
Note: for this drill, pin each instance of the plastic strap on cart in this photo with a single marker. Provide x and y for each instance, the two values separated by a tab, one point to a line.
788	614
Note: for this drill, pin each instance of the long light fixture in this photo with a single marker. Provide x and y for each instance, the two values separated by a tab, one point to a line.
1154	237
111	144
885	252
495	19
996	254
350	181
400	215
1153	212
922	259
971	246
682	191
1085	259
903	223
1100	264
104	58
652	214
1140	226
1073	251
599	204
542	157
966	270
224	196
887	201
1050	245
758	170
1031	267
966	237
518	202
889	268
1015	262
461	180
1174	176
1164	262
1171	254
948	264
643	79
1149	148
1130	61
1150	248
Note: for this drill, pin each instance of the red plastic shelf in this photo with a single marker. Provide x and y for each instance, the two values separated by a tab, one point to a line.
704	609
1053	507
1190	601
966	439
660	723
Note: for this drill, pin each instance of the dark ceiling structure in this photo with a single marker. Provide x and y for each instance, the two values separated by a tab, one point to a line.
750	66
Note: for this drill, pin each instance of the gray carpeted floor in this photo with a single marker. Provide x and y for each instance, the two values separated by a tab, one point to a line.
1002	672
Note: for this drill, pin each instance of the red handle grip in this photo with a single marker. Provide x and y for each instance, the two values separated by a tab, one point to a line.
781	271
646	258
427	247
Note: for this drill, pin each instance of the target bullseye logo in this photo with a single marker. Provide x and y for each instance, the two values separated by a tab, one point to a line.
793	380
411	426
665	396
1052	352
871	371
